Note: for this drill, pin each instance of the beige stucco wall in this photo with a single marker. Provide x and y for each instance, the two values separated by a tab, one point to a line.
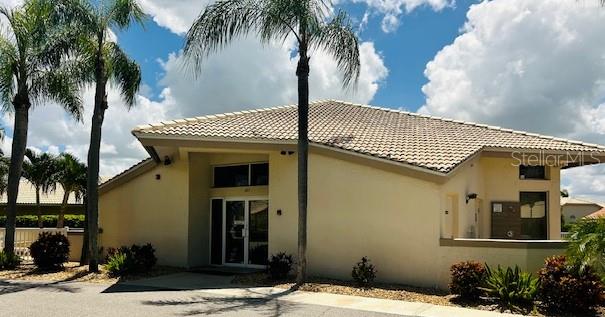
578	210
147	210
355	209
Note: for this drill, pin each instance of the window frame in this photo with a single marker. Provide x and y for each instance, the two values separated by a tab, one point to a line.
523	177
249	165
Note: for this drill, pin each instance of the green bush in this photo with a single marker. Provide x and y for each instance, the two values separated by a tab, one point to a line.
119	264
135	259
50	250
364	272
565	288
280	266
587	245
510	286
9	261
48	221
467	278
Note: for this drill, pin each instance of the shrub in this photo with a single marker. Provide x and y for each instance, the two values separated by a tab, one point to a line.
587	245
280	265
564	287
364	272
119	264
48	221
510	286
50	251
467	278
9	261
135	259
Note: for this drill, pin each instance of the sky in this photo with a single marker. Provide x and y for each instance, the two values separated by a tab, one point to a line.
532	65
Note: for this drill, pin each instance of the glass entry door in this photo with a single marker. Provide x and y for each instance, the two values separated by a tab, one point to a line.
245	231
235	234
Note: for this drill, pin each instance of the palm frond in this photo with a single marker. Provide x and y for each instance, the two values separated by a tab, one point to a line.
8	68
124	72
60	85
218	25
122	12
339	40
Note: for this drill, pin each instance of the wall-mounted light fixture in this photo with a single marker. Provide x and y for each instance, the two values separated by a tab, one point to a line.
286	152
470	196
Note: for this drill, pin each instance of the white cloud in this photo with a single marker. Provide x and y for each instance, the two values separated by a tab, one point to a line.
176	16
392	10
536	65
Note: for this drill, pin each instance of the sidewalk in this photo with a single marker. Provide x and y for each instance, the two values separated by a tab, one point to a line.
220	286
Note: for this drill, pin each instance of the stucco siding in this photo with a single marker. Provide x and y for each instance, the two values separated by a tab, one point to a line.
150	210
354	211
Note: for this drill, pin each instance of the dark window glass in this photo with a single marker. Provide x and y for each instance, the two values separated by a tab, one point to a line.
260	174
534	214
532	172
231	176
217	232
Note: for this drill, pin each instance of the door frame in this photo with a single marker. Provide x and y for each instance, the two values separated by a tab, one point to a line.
246	200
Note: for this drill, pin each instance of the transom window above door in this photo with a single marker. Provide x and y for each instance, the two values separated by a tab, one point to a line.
253	174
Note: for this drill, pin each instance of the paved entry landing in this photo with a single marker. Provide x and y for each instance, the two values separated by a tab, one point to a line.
178	282
225	270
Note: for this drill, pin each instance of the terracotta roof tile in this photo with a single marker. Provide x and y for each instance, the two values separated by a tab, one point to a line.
428	142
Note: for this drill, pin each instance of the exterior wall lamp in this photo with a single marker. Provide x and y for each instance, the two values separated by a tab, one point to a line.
470	196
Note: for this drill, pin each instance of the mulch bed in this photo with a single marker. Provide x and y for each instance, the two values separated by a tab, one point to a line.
397	292
73	271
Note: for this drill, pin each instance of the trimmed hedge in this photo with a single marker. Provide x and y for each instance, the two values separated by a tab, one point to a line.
50	221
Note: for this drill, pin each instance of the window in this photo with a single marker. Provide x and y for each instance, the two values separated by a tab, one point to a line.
259	174
534	215
532	172
256	174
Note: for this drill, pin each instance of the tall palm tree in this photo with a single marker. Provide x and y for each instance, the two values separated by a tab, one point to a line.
41	171
70	176
103	62
32	71
313	26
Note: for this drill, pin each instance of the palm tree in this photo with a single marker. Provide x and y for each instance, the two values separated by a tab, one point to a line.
41	171
313	26
70	176
32	71
103	62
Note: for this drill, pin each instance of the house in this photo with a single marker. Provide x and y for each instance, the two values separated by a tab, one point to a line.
50	202
596	215
574	209
412	192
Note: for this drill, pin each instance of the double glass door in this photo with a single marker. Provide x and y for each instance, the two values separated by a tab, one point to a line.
245	231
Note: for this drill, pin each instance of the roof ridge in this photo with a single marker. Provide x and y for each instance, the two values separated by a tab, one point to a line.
468	123
207	117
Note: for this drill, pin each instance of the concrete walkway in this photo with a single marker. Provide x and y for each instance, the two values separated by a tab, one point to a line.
221	286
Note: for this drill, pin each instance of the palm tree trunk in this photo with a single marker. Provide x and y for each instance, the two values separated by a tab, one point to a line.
39	208
302	72
84	254
92	183
14	174
61	218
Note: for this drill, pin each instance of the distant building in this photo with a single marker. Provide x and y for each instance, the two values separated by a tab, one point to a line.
51	202
574	209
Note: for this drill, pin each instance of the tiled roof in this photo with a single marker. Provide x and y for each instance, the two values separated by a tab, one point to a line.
27	196
429	142
105	180
578	201
596	215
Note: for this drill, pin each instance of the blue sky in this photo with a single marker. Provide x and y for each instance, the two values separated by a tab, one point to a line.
531	65
406	51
